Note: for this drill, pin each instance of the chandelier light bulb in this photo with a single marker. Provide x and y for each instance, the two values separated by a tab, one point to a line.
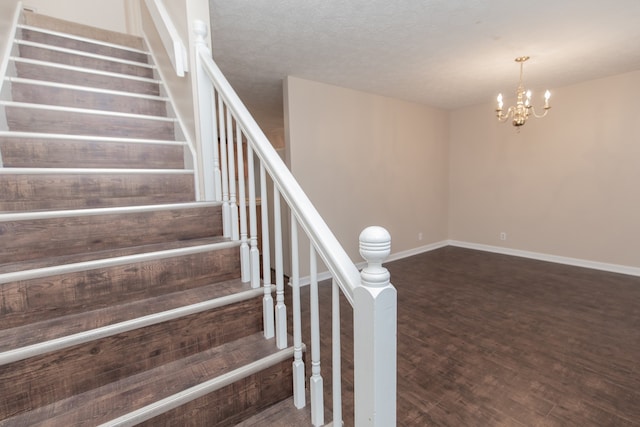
547	95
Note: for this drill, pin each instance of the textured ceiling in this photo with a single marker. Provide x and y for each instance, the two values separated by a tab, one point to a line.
446	54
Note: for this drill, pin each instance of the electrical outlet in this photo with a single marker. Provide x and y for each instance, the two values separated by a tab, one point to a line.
420	235
503	235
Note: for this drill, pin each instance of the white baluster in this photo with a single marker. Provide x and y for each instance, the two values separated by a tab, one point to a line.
267	301
245	267
209	161
299	397
226	212
254	254
281	309
374	331
315	383
336	354
233	206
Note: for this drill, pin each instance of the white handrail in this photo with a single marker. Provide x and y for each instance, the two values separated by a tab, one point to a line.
169	35
370	293
329	249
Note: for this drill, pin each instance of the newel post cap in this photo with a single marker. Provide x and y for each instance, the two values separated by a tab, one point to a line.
200	29
375	247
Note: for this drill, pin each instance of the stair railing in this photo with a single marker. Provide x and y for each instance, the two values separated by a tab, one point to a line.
226	129
171	40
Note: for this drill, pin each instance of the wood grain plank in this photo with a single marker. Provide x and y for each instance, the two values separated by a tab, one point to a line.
21	119
85	46
488	339
82	78
65	97
25	192
109	253
120	311
42	238
232	403
36	300
42	380
55	24
48	55
69	153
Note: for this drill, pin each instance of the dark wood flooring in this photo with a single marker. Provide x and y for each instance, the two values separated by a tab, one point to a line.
494	340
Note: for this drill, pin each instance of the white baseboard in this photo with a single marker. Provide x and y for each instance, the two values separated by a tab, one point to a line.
419	250
613	268
325	275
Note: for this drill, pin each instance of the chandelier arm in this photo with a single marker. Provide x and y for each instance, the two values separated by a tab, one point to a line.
539	116
506	116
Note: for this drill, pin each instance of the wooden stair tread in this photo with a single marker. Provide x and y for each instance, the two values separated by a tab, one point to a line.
76	323
32	238
61	25
52	72
116	399
34	377
46	152
69	41
34	92
25	118
24	191
72	350
78	60
283	414
108	253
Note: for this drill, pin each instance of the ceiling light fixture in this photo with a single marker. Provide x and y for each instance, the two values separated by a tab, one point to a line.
523	108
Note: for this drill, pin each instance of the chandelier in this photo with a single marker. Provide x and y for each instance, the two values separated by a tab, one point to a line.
523	108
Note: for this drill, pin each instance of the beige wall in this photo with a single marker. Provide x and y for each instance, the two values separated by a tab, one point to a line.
365	159
109	15
566	185
7	13
183	13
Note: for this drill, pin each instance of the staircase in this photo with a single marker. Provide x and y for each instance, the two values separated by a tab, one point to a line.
121	301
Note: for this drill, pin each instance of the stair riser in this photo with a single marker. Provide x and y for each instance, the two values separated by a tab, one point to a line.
38	381
35	300
25	192
234	403
80	78
81	30
20	119
63	97
147	363
33	239
69	43
61	153
41	54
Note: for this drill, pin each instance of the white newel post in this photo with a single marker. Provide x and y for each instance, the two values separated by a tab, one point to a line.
208	159
375	331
